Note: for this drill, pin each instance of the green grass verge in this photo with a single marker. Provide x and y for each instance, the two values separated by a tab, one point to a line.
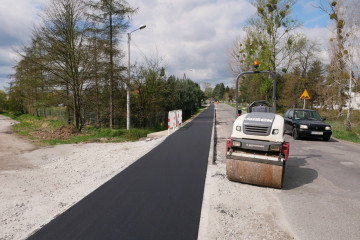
339	126
234	105
45	131
93	135
29	124
339	131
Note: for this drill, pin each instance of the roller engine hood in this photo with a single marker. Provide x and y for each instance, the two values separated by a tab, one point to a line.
258	123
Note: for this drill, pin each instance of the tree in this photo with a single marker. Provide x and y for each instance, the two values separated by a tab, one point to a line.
3	101
351	52
268	39
273	25
30	78
149	88
191	96
316	82
97	71
309	68
207	90
112	17
333	9
62	36
219	91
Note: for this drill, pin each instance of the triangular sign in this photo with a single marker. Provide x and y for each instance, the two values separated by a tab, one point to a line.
305	95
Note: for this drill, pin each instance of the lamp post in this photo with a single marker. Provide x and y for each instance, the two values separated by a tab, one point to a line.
128	83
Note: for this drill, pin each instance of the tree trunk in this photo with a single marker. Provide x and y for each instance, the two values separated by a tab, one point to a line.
77	109
98	124
340	102
111	74
67	104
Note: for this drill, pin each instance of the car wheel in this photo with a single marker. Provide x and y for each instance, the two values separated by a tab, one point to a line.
295	134
326	138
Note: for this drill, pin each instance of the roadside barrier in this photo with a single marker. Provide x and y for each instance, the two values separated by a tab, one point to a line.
174	120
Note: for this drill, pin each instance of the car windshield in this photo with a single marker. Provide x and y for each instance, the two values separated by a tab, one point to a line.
307	115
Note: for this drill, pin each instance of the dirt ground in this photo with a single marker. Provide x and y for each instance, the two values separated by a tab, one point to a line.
38	184
11	146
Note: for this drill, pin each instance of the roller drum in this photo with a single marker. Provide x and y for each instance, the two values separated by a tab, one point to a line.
257	173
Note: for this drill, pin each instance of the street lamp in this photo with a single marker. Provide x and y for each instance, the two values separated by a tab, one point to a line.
128	83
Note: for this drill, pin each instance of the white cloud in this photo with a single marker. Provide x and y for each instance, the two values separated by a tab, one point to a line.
4	83
8	56
187	34
190	35
309	6
17	18
321	36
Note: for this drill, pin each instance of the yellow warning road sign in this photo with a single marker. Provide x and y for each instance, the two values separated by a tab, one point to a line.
305	95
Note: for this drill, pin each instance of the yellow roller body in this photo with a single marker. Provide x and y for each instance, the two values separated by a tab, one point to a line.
260	173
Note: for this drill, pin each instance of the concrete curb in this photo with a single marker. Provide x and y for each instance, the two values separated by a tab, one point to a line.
205	209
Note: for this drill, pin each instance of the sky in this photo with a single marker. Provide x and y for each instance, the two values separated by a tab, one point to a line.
191	37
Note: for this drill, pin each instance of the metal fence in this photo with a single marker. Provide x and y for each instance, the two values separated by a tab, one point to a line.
152	120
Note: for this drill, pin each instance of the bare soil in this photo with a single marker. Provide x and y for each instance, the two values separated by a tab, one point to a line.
63	132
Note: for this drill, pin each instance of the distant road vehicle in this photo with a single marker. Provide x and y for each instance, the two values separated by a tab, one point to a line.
306	123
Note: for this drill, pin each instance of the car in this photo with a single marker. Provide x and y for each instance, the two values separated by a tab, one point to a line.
306	123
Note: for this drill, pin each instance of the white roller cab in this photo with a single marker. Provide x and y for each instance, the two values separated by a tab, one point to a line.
258	132
256	150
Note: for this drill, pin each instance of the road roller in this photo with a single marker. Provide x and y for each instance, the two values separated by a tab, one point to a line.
256	152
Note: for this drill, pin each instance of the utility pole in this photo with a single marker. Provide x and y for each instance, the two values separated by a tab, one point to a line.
129	80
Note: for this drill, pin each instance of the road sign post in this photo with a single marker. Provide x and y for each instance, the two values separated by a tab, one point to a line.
305	95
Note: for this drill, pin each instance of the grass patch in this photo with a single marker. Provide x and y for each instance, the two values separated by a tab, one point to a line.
339	125
234	105
52	132
29	124
339	131
101	135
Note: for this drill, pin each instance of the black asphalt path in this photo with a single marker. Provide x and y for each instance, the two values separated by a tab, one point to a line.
157	197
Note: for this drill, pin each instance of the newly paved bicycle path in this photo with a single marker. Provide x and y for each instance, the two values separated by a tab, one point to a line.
157	197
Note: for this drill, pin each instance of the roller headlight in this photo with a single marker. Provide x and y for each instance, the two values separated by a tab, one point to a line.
275	131
328	128
238	128
304	127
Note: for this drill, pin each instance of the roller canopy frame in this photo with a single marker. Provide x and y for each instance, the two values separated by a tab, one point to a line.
273	75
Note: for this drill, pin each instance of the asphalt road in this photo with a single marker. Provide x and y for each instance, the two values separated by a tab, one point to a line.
157	197
321	192
321	196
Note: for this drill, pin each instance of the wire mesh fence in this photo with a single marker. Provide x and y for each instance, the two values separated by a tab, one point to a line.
90	118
